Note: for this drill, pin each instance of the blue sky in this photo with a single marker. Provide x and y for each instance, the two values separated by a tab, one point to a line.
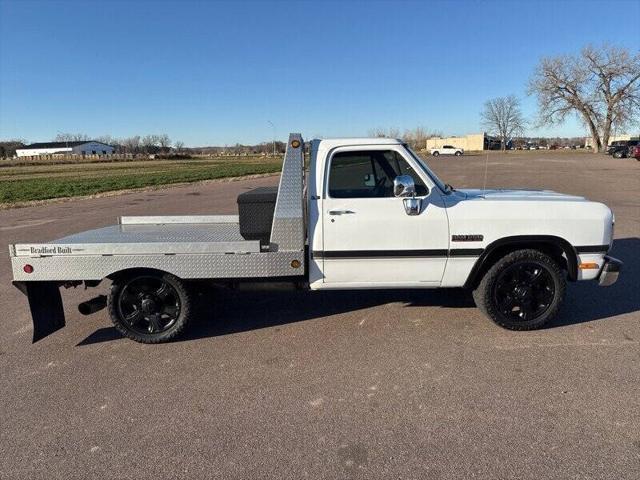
217	72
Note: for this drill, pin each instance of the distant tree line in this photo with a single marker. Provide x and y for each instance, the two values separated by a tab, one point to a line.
148	144
8	147
416	138
162	144
153	144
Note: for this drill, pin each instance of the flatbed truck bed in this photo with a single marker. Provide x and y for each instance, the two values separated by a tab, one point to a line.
188	247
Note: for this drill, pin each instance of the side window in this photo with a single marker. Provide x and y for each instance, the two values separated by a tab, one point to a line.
401	167
369	174
352	176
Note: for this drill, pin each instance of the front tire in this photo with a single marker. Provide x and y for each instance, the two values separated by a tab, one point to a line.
522	291
618	154
458	154
435	154
149	307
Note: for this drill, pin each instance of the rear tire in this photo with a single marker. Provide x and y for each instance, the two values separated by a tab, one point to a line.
522	291
435	154
618	154
150	307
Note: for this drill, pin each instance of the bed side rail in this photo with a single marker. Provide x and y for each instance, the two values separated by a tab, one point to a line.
177	219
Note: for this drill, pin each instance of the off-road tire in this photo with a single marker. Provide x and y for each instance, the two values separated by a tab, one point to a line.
183	318
485	294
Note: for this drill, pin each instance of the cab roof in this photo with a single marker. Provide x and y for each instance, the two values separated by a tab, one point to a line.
340	142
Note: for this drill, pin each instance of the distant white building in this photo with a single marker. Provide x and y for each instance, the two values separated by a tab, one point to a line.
86	147
588	141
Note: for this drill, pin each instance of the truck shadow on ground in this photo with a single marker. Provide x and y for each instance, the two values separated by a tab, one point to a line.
229	311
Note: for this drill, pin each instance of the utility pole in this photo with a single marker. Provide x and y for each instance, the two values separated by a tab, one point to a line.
274	136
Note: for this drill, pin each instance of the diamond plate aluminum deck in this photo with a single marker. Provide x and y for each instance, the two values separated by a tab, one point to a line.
187	266
164	233
142	239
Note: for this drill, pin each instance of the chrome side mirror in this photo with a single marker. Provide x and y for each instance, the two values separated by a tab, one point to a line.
412	206
405	187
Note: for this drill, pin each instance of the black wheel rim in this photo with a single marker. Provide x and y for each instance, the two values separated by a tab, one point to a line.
524	291
148	305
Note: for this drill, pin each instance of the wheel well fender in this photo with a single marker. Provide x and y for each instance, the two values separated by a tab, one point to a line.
557	247
134	271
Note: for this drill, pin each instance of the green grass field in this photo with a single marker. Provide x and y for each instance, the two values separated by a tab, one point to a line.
41	182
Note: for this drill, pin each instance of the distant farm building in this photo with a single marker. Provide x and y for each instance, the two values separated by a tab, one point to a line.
66	148
472	142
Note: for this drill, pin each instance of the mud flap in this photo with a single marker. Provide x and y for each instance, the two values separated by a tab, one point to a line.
45	303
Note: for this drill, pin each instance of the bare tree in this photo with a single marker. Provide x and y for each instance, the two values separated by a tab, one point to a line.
164	142
417	137
600	86
71	137
107	139
502	117
385	132
8	147
178	145
150	143
131	144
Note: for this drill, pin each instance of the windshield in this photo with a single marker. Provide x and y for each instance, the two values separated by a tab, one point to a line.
422	164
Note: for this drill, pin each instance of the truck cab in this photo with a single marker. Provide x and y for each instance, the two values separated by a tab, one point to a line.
360	233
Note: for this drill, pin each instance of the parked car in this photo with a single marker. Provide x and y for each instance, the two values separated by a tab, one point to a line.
615	146
635	152
447	150
624	150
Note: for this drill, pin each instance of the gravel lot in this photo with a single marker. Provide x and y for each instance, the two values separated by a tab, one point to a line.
406	384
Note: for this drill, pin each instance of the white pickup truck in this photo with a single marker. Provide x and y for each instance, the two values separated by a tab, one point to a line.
446	150
369	214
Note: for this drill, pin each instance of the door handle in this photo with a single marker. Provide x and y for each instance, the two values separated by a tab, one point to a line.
340	212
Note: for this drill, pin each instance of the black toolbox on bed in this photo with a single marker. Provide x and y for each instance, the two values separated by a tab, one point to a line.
255	209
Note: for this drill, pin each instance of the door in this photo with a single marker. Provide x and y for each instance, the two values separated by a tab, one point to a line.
368	238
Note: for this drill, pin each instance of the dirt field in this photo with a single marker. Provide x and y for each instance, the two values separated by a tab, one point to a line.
405	384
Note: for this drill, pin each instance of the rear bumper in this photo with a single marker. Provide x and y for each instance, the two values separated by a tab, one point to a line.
610	271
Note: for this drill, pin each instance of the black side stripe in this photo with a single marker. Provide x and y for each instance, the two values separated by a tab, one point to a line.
456	252
593	249
466	252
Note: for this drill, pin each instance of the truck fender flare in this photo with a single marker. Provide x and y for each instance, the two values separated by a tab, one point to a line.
525	241
116	275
